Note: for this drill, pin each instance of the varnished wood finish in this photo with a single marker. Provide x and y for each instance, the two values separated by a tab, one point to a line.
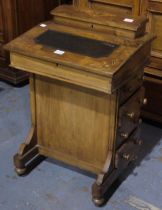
80	104
112	22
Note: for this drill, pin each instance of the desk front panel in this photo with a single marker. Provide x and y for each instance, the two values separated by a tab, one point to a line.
73	123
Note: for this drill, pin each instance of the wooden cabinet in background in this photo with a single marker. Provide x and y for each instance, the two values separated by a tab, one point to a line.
16	17
153	72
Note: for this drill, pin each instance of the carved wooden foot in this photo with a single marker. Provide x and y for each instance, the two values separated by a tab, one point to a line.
22	161
98	201
102	184
27	154
20	167
97	195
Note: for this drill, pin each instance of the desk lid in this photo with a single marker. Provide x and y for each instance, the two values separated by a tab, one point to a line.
114	68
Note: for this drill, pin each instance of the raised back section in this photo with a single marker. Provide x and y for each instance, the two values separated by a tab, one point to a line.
82	15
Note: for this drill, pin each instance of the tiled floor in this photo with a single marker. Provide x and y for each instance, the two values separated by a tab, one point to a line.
53	186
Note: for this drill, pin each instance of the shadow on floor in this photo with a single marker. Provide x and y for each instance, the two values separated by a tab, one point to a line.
150	140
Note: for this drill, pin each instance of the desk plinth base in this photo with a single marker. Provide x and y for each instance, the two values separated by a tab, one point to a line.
66	125
100	187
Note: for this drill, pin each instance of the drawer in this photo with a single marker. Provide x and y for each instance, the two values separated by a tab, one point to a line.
128	118
128	152
130	87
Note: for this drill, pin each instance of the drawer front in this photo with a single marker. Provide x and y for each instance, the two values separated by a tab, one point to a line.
131	87
129	151
129	115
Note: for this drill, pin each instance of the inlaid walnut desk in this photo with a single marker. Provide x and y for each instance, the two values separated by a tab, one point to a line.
86	91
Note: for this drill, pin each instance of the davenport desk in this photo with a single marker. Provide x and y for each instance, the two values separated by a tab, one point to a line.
86	90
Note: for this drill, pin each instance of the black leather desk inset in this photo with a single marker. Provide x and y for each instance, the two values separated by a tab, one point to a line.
75	44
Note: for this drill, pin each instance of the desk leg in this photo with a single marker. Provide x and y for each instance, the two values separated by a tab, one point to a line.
124	156
99	188
28	151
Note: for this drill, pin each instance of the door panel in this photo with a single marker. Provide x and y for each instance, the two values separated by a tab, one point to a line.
118	6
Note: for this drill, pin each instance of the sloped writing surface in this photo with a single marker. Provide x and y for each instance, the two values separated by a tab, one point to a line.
75	44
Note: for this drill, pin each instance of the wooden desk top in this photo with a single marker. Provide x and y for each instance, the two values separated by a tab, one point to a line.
107	66
112	70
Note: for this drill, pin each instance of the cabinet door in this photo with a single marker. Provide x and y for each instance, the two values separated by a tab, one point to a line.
119	6
153	9
30	12
7	27
8	8
1	30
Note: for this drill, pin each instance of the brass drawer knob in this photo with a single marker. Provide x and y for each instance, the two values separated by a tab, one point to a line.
126	156
131	115
124	135
145	101
138	142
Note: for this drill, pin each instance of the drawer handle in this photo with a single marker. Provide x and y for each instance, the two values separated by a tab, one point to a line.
131	115
124	135
126	156
145	101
